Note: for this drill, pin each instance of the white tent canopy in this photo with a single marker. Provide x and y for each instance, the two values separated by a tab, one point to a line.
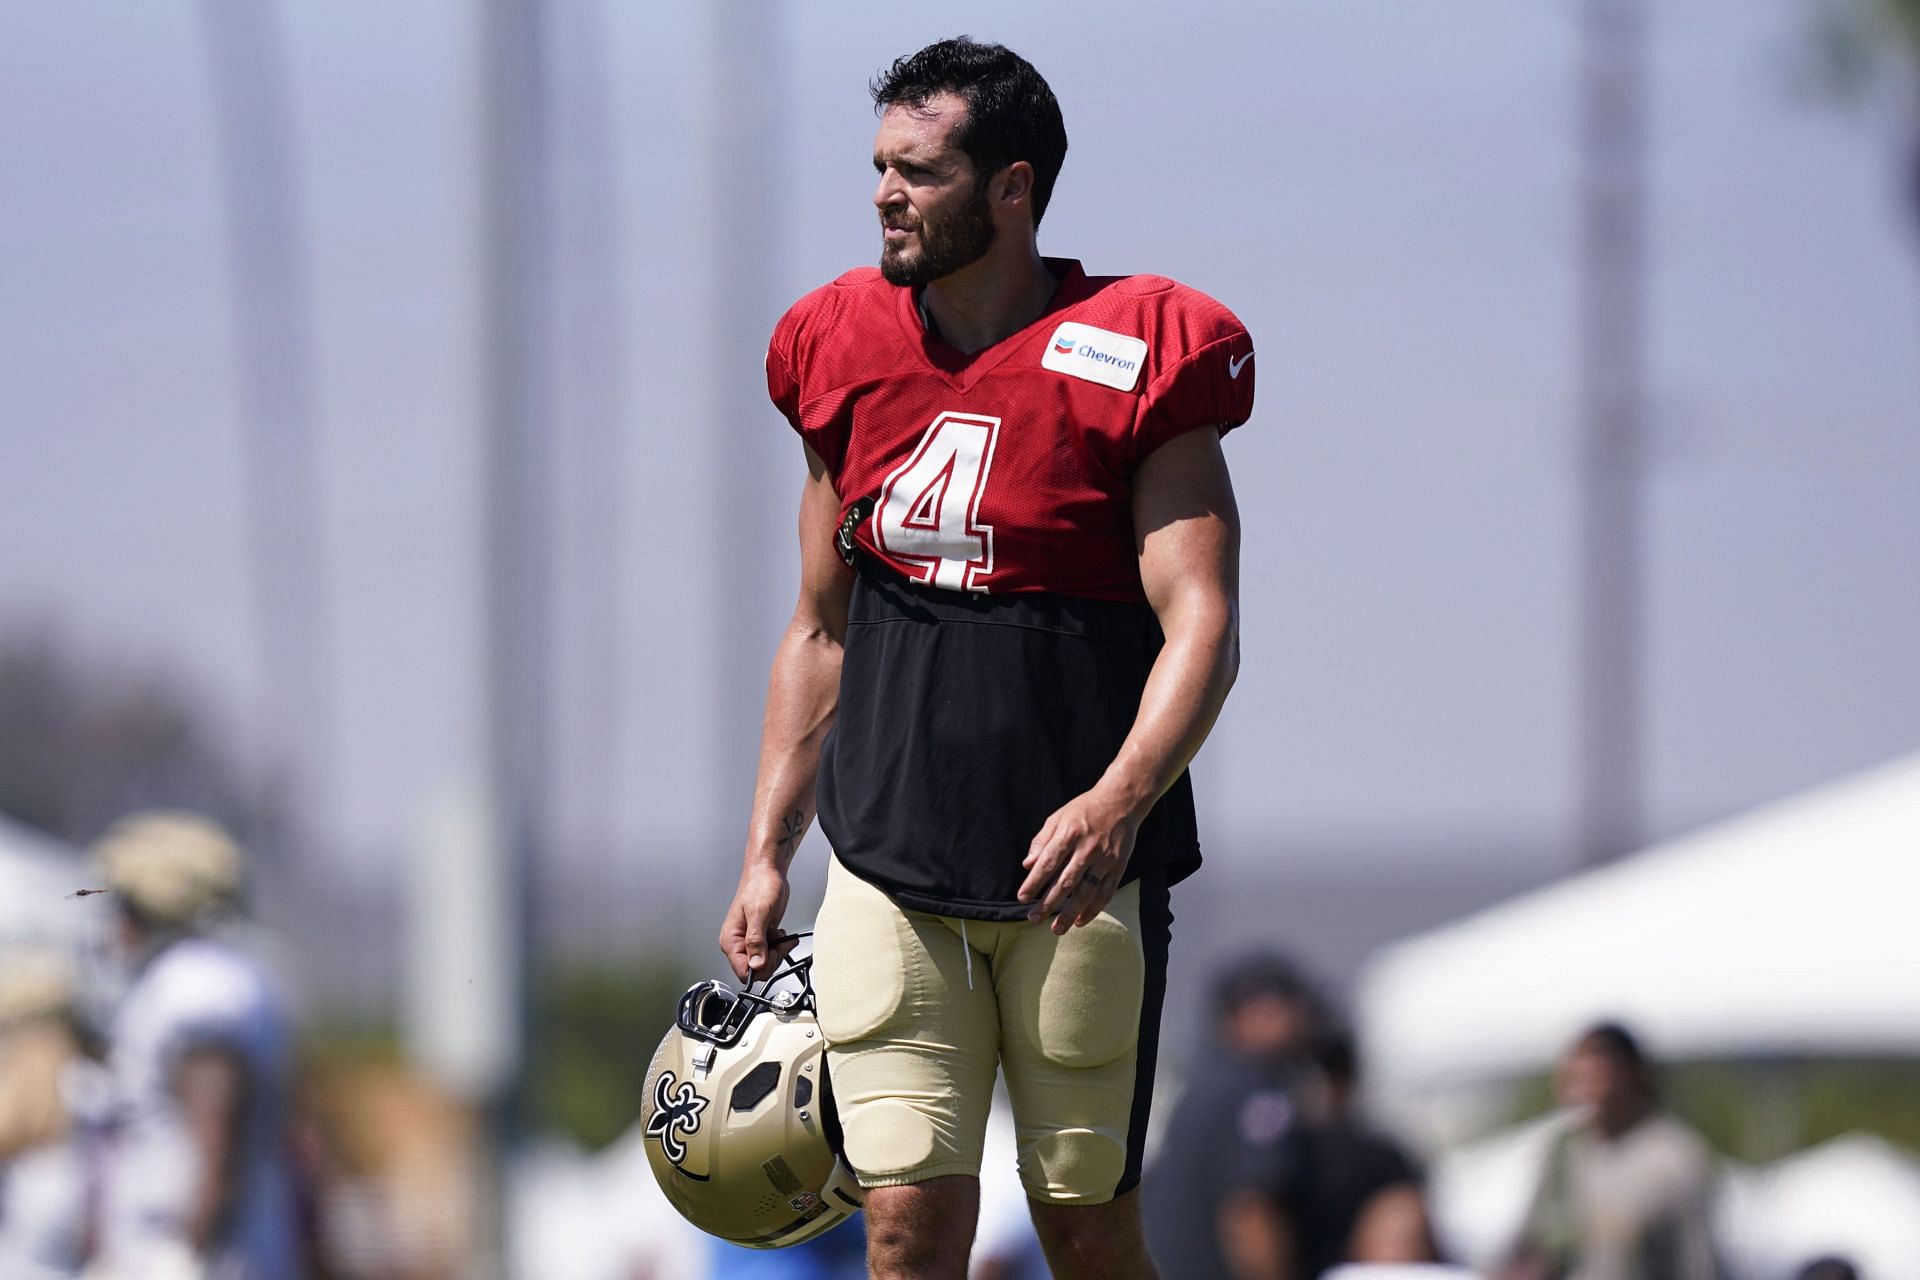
1795	928
1855	1196
38	876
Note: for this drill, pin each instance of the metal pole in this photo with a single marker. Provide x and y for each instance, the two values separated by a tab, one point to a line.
754	461
591	388
267	279
1612	348
515	245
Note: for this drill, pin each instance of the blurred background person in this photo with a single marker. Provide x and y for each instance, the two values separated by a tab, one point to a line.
196	1181
50	1095
1829	1268
1214	1196
1359	1196
1624	1191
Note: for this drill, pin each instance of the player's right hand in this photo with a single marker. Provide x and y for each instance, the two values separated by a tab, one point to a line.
749	937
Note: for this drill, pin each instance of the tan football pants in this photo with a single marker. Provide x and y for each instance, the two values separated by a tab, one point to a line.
918	1011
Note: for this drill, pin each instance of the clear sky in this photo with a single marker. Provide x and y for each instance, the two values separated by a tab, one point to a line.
1383	192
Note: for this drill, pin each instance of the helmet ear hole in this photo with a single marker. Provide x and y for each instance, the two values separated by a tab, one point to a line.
754	1088
713	1009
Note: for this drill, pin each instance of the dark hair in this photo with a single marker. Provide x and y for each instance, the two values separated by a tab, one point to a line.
1829	1268
1262	975
1623	1047
1618	1043
1011	113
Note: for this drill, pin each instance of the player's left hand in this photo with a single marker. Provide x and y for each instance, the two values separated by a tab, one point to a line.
1074	865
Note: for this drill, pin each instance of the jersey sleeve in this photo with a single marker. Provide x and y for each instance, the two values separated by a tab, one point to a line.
790	355
783	385
1210	384
211	1003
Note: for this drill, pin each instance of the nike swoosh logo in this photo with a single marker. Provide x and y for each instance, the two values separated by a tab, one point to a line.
1234	366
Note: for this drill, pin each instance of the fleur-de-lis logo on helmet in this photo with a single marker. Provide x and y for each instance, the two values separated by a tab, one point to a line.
676	1115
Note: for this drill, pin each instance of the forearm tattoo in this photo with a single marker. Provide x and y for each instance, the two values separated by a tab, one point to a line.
793	829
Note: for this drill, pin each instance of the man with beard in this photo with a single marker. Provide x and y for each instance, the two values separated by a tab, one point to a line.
1017	622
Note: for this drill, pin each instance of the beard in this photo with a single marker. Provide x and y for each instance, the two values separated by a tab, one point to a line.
946	244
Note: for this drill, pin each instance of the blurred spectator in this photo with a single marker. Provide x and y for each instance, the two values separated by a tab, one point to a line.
1359	1196
196	1175
1624	1192
1213	1197
1828	1268
51	1100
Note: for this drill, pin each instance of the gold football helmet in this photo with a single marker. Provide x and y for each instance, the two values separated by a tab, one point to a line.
174	868
738	1114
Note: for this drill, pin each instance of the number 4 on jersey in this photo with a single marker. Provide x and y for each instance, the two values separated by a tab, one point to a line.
930	506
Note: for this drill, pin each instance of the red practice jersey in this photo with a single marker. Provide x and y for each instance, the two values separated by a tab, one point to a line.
997	638
1009	470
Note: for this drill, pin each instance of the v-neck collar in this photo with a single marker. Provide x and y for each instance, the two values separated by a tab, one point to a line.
960	369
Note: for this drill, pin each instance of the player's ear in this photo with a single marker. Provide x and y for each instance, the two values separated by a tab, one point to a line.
1013	183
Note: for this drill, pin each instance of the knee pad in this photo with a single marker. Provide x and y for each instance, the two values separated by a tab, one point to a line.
1073	1166
885	1138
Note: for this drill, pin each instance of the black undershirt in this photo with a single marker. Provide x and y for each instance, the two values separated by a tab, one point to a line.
965	721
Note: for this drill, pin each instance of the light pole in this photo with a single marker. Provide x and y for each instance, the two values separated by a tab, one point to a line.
516	249
247	70
1613	405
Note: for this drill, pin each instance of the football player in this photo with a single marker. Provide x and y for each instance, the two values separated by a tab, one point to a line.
196	1182
1017	622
